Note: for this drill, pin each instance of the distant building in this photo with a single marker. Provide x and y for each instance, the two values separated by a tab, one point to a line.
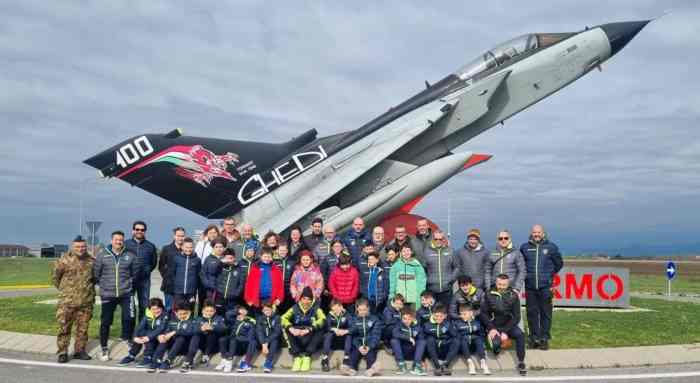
54	251
14	251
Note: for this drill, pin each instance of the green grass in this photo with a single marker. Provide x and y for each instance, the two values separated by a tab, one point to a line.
669	323
22	314
658	284
25	271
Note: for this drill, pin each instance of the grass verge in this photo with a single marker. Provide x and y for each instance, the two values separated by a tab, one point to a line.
25	271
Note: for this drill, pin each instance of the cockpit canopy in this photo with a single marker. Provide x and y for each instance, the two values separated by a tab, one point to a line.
504	53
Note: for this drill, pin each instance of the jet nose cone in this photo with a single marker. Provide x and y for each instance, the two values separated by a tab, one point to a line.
619	34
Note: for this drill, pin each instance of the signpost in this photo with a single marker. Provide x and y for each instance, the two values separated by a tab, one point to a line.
670	274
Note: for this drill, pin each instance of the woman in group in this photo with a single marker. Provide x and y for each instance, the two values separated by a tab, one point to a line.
306	274
296	242
204	246
270	242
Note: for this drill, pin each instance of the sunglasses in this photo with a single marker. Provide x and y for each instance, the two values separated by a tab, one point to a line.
503	238
140	230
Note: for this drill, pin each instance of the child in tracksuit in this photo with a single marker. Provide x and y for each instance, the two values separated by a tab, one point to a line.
240	341
228	284
209	328
374	280
337	322
287	265
175	339
407	341
303	329
471	335
249	256
366	332
441	340
391	317
427	304
269	333
184	273
145	337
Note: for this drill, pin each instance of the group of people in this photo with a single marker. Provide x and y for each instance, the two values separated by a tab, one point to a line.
239	295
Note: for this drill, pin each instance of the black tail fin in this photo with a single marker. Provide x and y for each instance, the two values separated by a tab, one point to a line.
199	174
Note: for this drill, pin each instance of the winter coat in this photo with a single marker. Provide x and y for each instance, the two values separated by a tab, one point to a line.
542	261
381	291
505	261
355	241
114	273
342	322
468	330
253	284
322	250
184	273
344	284
210	270
424	313
298	317
268	328
441	266
406	333
229	282
328	265
365	331
473	299
310	277
421	244
151	326
391	317
166	253
408	279
472	263
295	249
500	310
312	241
146	257
442	333
287	265
217	322
241	329
181	327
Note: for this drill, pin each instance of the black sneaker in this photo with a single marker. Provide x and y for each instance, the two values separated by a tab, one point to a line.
325	364
533	344
153	367
82	355
437	371
522	369
544	345
185	368
63	358
445	371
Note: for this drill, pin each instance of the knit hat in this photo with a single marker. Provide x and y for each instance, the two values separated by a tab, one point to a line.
474	233
307	293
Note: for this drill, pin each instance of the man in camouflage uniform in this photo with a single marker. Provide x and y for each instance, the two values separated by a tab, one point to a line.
76	296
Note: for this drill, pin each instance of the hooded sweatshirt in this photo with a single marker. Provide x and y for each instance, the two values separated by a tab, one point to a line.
408	279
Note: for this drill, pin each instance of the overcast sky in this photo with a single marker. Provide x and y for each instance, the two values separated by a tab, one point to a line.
611	161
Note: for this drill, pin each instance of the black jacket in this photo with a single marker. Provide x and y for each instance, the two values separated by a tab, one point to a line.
542	261
268	329
167	252
500	311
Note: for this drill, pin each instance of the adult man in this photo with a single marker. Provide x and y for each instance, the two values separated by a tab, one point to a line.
424	234
323	248
76	296
402	239
506	259
500	314
114	272
472	257
316	233
146	260
441	266
542	261
239	245
229	231
378	242
169	252
355	238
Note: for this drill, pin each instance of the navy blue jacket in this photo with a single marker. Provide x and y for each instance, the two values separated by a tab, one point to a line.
406	333
146	257
444	332
468	330
542	261
366	331
424	313
381	292
229	282
151	326
392	317
355	241
211	268
287	266
341	322
181	327
217	322
268	329
243	330
184	273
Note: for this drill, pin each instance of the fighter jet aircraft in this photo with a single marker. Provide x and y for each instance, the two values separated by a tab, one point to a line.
377	170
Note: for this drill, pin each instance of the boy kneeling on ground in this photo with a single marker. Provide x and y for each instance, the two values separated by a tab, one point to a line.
152	325
366	332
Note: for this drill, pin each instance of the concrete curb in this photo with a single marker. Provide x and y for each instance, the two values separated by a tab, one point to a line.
535	359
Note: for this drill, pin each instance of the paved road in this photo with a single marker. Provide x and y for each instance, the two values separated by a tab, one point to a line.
33	368
25	293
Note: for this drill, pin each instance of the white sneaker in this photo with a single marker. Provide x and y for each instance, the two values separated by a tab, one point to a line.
471	366
485	367
221	365
104	356
229	366
374	370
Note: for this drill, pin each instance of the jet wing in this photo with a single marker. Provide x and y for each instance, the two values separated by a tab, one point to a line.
284	206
